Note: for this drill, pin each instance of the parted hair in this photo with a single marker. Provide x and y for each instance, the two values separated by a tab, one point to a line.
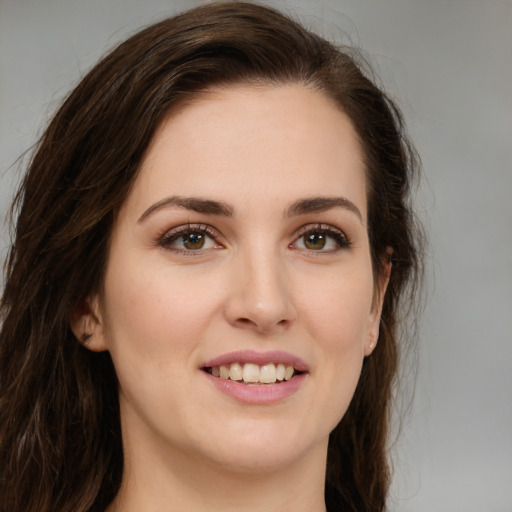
60	436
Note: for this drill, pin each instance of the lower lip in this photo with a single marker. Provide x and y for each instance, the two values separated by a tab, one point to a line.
257	394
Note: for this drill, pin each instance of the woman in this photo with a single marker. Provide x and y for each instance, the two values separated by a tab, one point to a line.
200	311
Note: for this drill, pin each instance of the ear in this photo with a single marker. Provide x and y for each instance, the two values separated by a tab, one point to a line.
372	334
87	325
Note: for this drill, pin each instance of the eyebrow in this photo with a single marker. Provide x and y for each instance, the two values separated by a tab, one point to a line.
196	204
322	204
211	207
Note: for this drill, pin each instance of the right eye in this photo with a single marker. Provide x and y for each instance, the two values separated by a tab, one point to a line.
190	239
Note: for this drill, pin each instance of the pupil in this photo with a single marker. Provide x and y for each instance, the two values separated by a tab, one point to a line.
315	241
194	240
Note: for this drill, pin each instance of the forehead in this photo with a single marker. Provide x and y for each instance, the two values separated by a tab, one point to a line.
257	141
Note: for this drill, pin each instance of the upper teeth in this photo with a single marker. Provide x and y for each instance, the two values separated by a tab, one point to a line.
252	373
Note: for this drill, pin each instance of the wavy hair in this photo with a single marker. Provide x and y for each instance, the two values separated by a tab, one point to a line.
60	437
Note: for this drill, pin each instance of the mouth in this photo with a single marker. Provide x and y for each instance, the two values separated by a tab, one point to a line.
252	373
257	378
251	367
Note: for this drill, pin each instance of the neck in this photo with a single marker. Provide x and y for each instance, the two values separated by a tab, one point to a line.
155	481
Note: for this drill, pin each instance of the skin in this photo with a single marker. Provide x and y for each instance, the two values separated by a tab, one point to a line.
254	285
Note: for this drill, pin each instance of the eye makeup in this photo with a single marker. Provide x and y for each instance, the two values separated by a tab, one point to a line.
322	238
190	239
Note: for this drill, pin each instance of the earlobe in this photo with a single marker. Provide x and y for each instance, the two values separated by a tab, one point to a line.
369	348
87	326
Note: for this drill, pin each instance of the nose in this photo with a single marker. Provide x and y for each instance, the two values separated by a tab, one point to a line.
260	297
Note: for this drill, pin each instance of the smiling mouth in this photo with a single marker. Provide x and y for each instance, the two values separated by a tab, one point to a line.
250	373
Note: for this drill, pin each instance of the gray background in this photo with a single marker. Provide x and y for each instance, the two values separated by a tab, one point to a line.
450	64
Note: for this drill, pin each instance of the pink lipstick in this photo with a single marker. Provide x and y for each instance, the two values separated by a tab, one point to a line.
251	356
256	377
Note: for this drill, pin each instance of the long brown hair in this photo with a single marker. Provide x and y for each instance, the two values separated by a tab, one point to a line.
60	438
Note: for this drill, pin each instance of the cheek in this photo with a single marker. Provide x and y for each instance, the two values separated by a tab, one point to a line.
338	310
156	317
153	324
339	329
337	318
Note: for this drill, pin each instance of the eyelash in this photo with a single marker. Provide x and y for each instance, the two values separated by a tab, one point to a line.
340	238
173	235
166	241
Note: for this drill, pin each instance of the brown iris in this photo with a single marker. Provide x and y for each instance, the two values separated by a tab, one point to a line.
314	241
193	241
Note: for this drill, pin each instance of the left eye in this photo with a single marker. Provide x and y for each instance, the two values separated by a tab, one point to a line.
192	239
322	240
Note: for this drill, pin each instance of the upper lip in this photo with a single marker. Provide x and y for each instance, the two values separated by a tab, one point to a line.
259	358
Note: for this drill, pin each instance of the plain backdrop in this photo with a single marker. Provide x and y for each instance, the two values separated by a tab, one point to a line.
449	64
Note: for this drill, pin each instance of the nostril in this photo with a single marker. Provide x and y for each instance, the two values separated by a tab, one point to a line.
245	323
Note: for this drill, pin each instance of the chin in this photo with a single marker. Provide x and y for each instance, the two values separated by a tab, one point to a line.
258	461
264	448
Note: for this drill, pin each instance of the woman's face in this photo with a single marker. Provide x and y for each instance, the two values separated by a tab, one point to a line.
240	252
